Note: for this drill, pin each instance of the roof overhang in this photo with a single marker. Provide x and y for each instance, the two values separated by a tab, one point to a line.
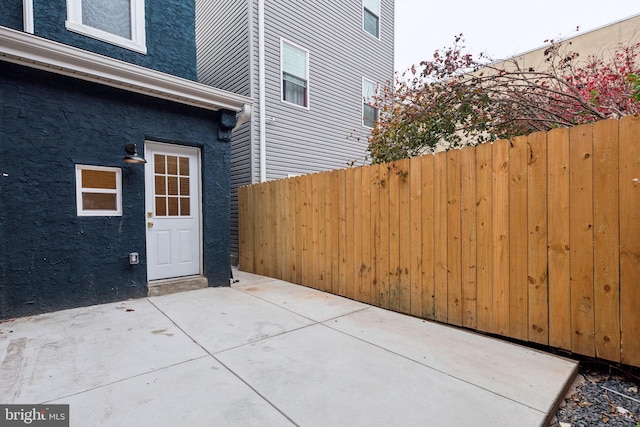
36	52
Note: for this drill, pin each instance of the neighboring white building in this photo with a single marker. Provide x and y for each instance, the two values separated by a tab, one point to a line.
307	65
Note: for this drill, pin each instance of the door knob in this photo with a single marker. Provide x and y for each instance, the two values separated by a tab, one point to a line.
149	224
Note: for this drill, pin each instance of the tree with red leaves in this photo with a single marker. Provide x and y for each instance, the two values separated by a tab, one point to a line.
456	99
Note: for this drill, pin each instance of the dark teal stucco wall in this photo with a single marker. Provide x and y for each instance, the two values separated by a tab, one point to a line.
52	259
170	33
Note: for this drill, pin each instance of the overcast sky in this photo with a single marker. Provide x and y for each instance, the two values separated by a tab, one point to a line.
501	28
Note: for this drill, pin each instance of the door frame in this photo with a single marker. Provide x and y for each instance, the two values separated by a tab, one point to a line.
148	196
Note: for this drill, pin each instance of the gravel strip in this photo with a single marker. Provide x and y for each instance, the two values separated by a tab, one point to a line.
602	395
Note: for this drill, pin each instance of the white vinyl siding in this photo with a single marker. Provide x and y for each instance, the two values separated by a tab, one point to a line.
295	74
119	22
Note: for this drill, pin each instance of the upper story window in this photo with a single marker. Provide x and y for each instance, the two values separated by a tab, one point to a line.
371	17
295	74
119	22
370	113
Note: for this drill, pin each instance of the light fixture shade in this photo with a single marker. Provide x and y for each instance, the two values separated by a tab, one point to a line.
132	155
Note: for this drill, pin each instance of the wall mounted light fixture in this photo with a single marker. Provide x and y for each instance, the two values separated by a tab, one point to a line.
132	155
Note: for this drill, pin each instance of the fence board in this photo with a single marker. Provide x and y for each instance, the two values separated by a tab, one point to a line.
245	229
356	259
374	185
261	250
343	236
337	239
630	239
581	239
538	309
484	233
428	239
271	264
394	238
279	201
441	302
365	235
454	245
518	228
290	274
322	241
500	224
606	241
349	219
558	256
404	225
384	256
468	236
299	237
415	237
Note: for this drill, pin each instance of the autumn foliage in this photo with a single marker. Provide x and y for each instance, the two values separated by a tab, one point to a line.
456	99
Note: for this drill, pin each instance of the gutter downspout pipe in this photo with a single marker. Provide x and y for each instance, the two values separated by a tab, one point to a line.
242	117
261	94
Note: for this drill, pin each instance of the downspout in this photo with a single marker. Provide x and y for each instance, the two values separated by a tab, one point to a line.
242	117
261	94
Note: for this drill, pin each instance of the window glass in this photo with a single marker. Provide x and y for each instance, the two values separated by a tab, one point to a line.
294	75
371	18
369	112
113	16
172	186
98	191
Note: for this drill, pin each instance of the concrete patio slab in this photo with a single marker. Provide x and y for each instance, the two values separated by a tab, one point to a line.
267	352
527	376
58	354
310	303
200	392
321	377
223	318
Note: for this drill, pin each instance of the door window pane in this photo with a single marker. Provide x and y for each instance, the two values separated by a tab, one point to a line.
172	185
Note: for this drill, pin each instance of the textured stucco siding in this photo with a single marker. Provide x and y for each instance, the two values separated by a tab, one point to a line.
11	14
51	258
170	33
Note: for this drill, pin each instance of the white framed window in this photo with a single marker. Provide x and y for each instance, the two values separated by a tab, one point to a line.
294	63
98	190
370	114
119	22
371	17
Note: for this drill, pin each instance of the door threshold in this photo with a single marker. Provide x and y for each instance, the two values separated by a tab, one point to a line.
176	284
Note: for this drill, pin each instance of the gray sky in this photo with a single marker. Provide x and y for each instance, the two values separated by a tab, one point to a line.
502	28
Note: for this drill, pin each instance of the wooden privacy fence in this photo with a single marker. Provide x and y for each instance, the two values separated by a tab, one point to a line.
536	238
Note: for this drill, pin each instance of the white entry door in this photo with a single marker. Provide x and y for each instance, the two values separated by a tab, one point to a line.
172	199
